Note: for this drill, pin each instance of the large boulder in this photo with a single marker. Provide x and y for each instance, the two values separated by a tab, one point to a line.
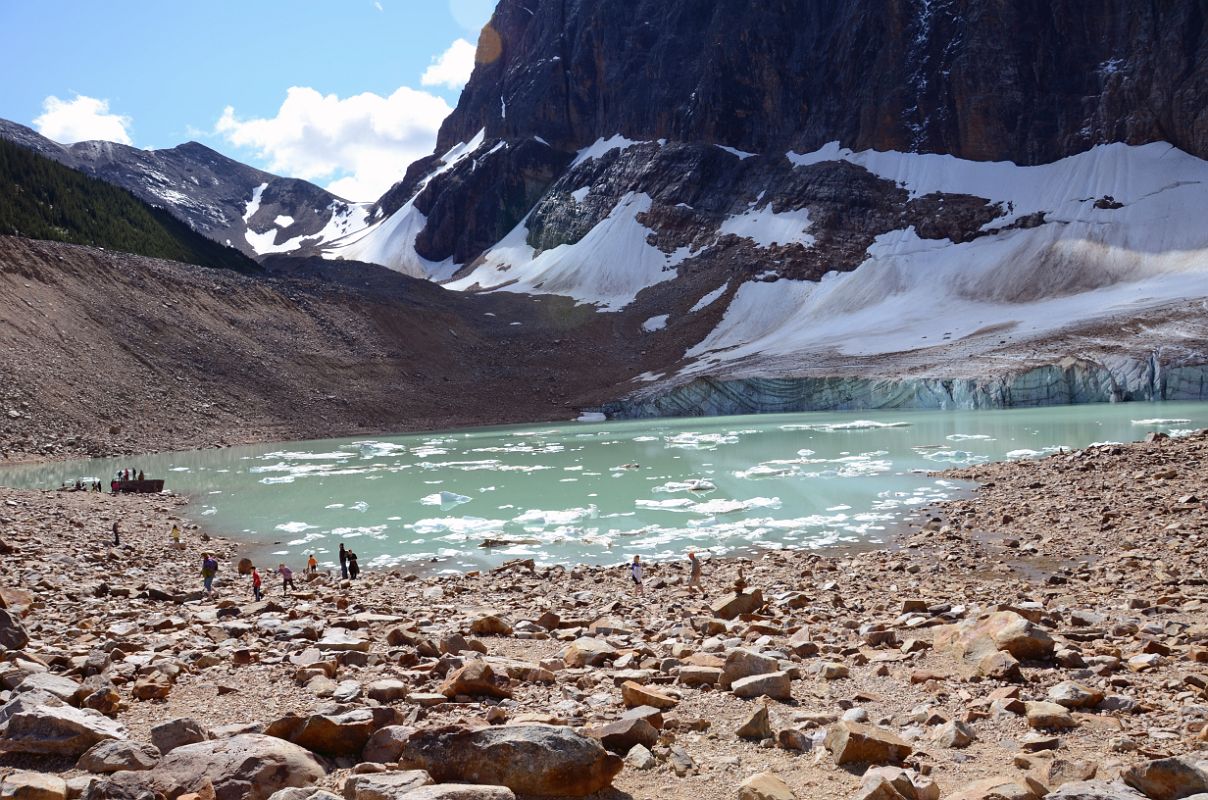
475	679
33	786
1003	630
63	688
167	736
385	785
57	730
852	742
743	663
1169	778
116	755
12	633
1095	790
589	652
528	759
734	605
246	767
775	685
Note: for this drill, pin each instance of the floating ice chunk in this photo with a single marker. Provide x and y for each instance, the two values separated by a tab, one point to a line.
855	425
1161	421
694	485
592	416
969	437
446	500
295	527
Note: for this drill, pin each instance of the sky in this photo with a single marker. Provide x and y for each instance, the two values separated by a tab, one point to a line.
343	93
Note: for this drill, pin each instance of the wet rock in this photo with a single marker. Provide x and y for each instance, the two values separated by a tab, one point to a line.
528	759
852	742
385	786
474	679
116	755
765	786
245	767
59	730
167	736
1168	778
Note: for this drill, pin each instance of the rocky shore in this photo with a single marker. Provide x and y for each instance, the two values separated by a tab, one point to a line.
1046	638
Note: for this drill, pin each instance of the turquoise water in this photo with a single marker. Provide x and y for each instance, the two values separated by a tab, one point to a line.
600	493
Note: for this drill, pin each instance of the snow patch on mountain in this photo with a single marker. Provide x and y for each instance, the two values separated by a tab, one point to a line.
768	228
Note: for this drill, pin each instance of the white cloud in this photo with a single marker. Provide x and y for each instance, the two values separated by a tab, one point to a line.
360	145
378	5
451	68
80	120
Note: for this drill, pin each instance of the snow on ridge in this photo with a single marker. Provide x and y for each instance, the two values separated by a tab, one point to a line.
655	323
743	155
767	228
602	146
710	298
283	221
253	205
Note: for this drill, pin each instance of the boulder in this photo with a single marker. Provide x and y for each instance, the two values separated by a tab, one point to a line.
757	726
589	652
115	755
385	744
337	734
167	736
155	686
490	625
743	663
386	690
1072	694
461	791
734	605
384	785
1168	778
699	676
765	786
528	759
620	736
775	685
246	767
341	640
1095	790
475	679
58	730
955	734
852	742
994	789
33	786
63	688
12	633
308	793
1048	715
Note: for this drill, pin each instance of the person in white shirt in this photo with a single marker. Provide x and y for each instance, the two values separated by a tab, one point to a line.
635	572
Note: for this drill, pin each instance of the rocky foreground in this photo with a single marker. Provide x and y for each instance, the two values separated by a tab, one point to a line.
1046	639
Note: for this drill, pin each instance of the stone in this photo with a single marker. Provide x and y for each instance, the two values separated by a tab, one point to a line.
954	734
115	755
1060	771
775	685
63	688
12	633
765	786
386	690
386	743
33	786
1048	715
758	726
490	625
341	640
831	671
998	788
528	759
474	679
308	793
589	652
461	791
1095	790
852	742
1002	630
154	686
337	734
106	700
385	785
621	736
699	676
1072	694
245	767
58	730
999	665
167	736
743	663
634	695
1167	778
639	757
734	605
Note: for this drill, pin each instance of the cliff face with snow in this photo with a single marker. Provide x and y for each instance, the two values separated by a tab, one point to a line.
246	208
833	188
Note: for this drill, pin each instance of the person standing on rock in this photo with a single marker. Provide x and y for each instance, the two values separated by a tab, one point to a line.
116	539
287	578
256	583
635	572
694	577
175	535
343	562
312	566
209	569
354	569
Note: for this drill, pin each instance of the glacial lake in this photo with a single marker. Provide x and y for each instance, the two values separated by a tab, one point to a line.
603	492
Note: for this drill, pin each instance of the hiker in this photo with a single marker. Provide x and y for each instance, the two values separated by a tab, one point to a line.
312	566
140	475
256	584
209	569
694	578
175	535
635	572
116	539
287	578
354	569
343	561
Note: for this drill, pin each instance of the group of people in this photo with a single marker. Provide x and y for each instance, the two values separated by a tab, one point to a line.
349	569
694	575
80	486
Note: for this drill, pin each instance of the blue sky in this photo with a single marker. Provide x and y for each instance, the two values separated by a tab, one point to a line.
341	92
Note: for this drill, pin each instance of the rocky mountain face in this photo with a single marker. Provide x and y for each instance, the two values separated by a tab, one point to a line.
234	204
805	187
